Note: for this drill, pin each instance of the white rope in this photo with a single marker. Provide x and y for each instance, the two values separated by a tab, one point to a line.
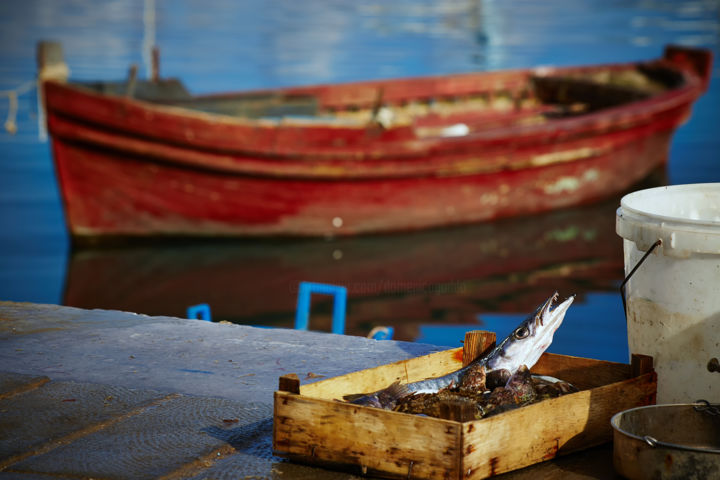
22	89
12	95
10	124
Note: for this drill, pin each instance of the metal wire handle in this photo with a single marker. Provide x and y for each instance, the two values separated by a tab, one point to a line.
706	407
632	272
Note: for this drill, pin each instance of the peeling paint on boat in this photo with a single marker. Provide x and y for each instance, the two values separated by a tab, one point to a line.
565	156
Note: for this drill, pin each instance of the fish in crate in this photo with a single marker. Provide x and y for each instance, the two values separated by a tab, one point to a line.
495	382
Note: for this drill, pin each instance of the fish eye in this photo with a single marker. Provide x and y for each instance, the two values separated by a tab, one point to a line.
521	332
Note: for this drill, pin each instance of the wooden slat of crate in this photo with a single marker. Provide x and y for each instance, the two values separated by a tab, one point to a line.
541	431
373	379
584	373
375	441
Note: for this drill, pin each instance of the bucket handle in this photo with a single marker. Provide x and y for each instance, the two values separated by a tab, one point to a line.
632	272
706	407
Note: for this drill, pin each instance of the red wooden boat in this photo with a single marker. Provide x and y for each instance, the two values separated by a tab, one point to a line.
145	158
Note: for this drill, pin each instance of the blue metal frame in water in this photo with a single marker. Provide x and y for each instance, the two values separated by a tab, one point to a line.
201	311
302	313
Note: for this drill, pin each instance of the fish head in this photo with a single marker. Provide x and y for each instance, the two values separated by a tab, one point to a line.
531	338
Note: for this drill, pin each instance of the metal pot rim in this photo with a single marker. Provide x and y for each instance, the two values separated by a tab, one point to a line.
654	443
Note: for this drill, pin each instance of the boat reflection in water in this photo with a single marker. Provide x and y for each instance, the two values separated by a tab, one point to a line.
446	276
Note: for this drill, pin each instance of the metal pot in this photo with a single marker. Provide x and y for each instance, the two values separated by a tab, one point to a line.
660	442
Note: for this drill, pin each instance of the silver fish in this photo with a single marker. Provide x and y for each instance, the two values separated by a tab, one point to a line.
523	346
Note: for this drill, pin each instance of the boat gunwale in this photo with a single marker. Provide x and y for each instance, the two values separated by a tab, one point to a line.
536	71
689	90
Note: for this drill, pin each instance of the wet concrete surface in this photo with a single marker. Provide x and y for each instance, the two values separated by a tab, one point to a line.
107	394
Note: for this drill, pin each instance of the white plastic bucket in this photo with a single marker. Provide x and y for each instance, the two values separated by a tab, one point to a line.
673	299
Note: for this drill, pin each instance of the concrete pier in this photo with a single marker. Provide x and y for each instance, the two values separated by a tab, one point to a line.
116	395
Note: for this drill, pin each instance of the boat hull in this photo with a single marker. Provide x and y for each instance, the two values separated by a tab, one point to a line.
110	193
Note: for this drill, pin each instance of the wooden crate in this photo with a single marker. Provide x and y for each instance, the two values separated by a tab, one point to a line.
311	426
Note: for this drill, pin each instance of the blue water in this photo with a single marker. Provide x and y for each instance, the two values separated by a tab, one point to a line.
228	45
599	318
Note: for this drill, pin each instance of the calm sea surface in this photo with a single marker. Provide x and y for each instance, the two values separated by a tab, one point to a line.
430	286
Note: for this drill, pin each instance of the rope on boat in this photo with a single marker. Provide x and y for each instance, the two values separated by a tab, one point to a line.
12	95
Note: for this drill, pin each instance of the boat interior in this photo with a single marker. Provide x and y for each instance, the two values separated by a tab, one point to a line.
522	98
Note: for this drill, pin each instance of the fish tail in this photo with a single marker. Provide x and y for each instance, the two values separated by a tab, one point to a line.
354	397
386	398
396	391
